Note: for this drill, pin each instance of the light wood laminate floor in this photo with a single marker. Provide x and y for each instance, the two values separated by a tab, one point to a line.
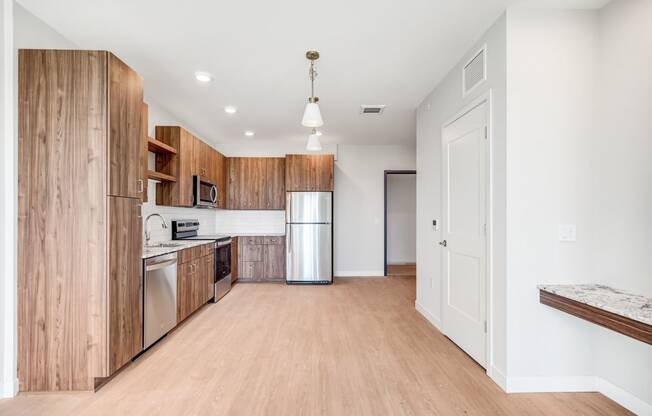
357	347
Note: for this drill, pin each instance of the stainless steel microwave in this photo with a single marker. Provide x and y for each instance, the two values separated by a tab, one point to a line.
204	193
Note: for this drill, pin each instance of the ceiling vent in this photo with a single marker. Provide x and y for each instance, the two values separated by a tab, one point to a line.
372	109
475	71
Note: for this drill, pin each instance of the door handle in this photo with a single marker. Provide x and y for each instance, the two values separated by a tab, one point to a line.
443	243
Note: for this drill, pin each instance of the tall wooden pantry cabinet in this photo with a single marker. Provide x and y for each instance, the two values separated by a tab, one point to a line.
80	186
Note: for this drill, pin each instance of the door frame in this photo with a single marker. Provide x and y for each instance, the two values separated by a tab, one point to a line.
390	172
484	98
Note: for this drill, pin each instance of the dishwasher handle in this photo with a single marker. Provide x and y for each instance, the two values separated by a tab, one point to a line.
160	262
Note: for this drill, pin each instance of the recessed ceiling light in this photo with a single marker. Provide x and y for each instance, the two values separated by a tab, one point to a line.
203	76
249	133
229	109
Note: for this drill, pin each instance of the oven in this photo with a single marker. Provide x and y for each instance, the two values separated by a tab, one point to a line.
222	268
204	193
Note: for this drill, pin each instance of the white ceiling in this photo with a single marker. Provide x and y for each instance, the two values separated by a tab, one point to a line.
373	52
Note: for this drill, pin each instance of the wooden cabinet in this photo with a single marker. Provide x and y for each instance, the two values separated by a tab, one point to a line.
178	165
79	228
261	258
125	281
219	169
125	148
195	275
193	157
144	126
309	173
256	183
274	183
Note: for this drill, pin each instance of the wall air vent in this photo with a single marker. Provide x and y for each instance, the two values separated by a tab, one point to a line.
372	109
474	72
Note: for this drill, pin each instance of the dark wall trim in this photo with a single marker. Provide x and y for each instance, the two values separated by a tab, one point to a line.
390	172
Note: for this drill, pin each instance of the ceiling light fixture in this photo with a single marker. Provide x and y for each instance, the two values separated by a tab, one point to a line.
313	141
229	109
203	76
249	133
312	115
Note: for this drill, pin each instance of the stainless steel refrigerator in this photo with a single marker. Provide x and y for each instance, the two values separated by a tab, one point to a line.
309	237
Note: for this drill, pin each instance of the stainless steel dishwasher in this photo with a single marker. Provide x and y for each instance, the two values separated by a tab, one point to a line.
160	314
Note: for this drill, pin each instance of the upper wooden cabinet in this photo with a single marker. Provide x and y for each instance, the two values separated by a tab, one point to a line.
309	173
193	157
79	227
125	147
256	183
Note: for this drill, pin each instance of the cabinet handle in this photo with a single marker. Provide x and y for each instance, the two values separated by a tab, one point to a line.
141	186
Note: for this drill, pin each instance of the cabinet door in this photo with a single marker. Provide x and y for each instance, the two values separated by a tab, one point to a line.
208	279
125	173
187	288
125	281
298	173
220	174
251	270
274	183
196	156
177	193
145	154
323	172
274	259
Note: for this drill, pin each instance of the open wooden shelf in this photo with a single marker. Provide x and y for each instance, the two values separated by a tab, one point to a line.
157	146
151	174
626	326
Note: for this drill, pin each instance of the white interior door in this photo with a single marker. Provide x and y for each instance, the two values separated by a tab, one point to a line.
464	231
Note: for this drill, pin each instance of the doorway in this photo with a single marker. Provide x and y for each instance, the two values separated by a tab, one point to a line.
400	223
465	168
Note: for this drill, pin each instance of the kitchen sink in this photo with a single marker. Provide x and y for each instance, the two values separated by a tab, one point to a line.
159	245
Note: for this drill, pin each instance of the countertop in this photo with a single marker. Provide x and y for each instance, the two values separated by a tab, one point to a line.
629	305
183	244
256	234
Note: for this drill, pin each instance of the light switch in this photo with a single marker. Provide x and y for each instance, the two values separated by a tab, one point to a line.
567	232
435	225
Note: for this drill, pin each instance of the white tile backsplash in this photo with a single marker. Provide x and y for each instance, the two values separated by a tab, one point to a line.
211	220
250	222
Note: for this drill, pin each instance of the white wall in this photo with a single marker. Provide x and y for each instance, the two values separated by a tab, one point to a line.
551	65
359	205
401	219
437	108
8	182
579	105
622	193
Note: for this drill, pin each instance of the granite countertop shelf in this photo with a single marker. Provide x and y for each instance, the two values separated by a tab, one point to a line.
620	311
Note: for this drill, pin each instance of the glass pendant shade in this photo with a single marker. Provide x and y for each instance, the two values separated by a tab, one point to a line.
313	143
312	116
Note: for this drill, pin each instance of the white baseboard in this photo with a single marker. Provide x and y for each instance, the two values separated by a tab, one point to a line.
436	322
623	398
550	384
9	390
498	377
579	384
373	273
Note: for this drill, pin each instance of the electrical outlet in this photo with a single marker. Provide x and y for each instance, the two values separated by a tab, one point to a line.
567	232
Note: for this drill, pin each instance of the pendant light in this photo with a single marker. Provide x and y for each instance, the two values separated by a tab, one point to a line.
313	142
312	115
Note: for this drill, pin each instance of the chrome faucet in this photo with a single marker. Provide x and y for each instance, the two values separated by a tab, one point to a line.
148	233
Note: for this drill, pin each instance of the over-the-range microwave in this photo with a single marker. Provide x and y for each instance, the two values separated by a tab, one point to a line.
204	193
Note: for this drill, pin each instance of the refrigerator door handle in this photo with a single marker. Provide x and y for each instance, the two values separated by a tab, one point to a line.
289	232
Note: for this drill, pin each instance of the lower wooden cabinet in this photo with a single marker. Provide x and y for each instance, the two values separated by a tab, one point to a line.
261	259
195	274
